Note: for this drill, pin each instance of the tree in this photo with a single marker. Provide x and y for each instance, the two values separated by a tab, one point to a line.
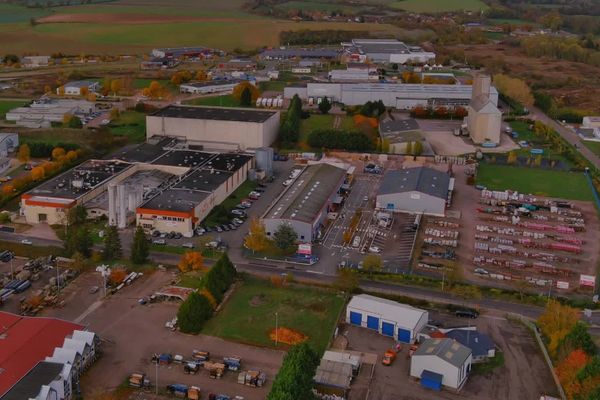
112	244
37	173
139	247
239	89
514	88
201	75
324	105
372	263
512	157
418	148
117	276
556	322
347	280
191	261
409	148
61	90
285	237
58	153
294	381
24	153
115	86
246	98
155	90
84	91
256	240
77	215
577	338
78	240
75	123
567	371
193	313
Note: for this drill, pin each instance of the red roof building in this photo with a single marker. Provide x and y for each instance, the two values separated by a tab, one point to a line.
25	341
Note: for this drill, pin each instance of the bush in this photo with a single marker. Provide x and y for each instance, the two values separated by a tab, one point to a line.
339	139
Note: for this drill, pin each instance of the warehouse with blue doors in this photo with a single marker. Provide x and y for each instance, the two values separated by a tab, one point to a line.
399	321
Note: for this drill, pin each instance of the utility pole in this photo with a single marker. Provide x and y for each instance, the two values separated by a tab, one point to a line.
156	385
12	269
276	329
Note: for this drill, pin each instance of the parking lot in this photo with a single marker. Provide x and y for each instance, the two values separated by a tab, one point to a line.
521	355
132	333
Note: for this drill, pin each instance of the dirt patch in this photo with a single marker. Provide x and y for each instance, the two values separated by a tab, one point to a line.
258	300
287	336
128	19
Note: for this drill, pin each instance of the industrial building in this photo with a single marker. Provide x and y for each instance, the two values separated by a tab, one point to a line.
484	121
399	132
403	96
305	203
590	122
441	362
385	51
181	52
216	127
355	72
302	53
43	358
399	321
35	61
74	88
43	112
419	190
9	143
162	185
220	86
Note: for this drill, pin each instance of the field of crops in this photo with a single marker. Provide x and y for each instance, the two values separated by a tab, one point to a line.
432	6
132	26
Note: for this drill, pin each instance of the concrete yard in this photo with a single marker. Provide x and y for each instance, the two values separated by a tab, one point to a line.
514	380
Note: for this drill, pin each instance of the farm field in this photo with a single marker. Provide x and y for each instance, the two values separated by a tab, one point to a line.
535	181
10	13
122	27
432	6
7	105
249	314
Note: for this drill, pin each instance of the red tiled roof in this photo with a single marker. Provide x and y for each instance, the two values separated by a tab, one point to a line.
25	341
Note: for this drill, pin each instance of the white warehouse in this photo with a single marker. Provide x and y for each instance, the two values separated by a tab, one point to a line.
400	321
216	127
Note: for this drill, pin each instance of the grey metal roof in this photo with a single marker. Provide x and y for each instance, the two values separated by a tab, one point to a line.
215	113
175	199
80	84
302	53
30	385
419	179
447	349
334	373
304	199
479	343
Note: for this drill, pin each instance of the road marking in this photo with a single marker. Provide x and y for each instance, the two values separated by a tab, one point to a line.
89	310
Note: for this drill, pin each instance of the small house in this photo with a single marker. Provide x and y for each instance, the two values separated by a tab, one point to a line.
441	362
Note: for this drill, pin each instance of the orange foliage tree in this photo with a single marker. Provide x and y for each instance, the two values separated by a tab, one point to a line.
57	153
556	322
191	261
117	276
567	371
240	87
37	173
7	189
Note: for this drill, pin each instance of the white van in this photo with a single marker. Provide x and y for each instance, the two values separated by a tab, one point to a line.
356	241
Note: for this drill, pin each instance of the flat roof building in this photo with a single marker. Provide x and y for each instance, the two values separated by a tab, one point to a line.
403	96
305	203
399	132
294	52
9	142
216	127
219	86
415	190
41	113
385	51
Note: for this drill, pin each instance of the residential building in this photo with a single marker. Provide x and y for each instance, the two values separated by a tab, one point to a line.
441	362
419	190
403	96
75	88
396	320
216	127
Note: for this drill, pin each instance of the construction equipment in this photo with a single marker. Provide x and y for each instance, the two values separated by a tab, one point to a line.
215	369
388	357
138	380
252	378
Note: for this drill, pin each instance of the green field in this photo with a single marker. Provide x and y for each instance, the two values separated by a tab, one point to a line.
535	181
10	13
249	314
275	86
226	100
131	124
7	105
593	146
434	6
320	6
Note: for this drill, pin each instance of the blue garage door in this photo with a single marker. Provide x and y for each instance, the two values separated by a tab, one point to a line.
387	329
431	380
355	318
403	335
373	322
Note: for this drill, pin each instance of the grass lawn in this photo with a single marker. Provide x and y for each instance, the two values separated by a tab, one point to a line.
489	366
249	314
535	142
593	146
535	181
274	86
131	124
7	105
190	280
226	100
433	6
82	137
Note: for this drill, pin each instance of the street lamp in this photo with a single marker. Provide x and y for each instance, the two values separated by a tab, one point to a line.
276	329
156	385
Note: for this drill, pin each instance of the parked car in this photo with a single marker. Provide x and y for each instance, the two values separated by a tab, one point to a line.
27	242
219	229
238	212
238	221
287	182
225	227
388	357
374	249
155	233
481	271
188	245
466	313
159	242
356	241
232	226
178	235
200	231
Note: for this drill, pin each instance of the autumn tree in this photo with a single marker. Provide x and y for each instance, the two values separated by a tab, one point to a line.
256	240
191	261
84	91
556	322
24	153
512	157
58	153
239	89
346	281
514	88
567	371
61	90
155	90
115	86
201	75
117	276
37	173
372	263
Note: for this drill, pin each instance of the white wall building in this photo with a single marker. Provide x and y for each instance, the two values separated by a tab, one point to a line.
74	88
400	321
385	51
41	113
9	142
216	127
590	122
441	362
484	121
220	86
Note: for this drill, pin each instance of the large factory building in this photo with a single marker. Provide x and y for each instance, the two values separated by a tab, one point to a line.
215	127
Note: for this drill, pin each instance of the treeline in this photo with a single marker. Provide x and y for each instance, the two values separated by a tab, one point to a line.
289	131
44	150
199	306
327	36
295	377
340	139
570	49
